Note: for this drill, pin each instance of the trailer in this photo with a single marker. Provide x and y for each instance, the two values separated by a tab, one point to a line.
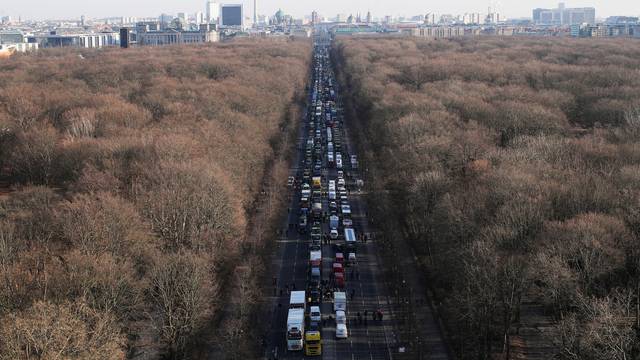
295	329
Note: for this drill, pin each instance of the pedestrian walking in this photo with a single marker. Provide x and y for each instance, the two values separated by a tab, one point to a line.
293	286
286	288
353	293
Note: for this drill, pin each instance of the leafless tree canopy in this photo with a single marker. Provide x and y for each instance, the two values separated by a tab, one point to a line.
131	177
512	167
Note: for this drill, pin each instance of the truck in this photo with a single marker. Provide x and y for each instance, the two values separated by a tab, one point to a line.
338	279
317	182
298	300
315	258
295	329
340	301
313	343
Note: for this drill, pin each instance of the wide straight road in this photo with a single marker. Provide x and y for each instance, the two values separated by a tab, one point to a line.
368	338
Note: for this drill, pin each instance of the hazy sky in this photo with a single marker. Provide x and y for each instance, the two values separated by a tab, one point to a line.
40	9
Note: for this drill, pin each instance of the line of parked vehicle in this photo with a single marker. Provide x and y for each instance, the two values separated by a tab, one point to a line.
324	216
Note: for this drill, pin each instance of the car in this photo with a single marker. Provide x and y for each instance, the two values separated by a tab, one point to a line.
333	205
315	314
352	259
333	234
315	296
303	223
317	194
347	222
291	181
341	331
341	317
341	182
314	279
332	195
314	326
341	328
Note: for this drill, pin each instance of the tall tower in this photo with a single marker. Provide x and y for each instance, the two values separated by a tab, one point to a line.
213	12
255	12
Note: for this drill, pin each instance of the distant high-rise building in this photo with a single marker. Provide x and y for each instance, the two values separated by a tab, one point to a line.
232	15
315	19
368	17
199	18
165	19
213	12
255	12
564	16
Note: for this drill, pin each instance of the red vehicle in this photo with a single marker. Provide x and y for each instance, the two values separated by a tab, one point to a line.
338	269
340	258
339	279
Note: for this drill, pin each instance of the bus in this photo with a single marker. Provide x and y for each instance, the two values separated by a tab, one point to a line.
350	239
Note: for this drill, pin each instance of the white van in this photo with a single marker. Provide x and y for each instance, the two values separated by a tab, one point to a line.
314	314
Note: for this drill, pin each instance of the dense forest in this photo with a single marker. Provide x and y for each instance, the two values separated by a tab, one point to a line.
512	168
130	178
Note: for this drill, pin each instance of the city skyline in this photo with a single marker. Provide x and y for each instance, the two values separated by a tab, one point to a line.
69	9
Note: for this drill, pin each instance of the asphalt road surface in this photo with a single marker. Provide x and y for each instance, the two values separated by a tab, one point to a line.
368	339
